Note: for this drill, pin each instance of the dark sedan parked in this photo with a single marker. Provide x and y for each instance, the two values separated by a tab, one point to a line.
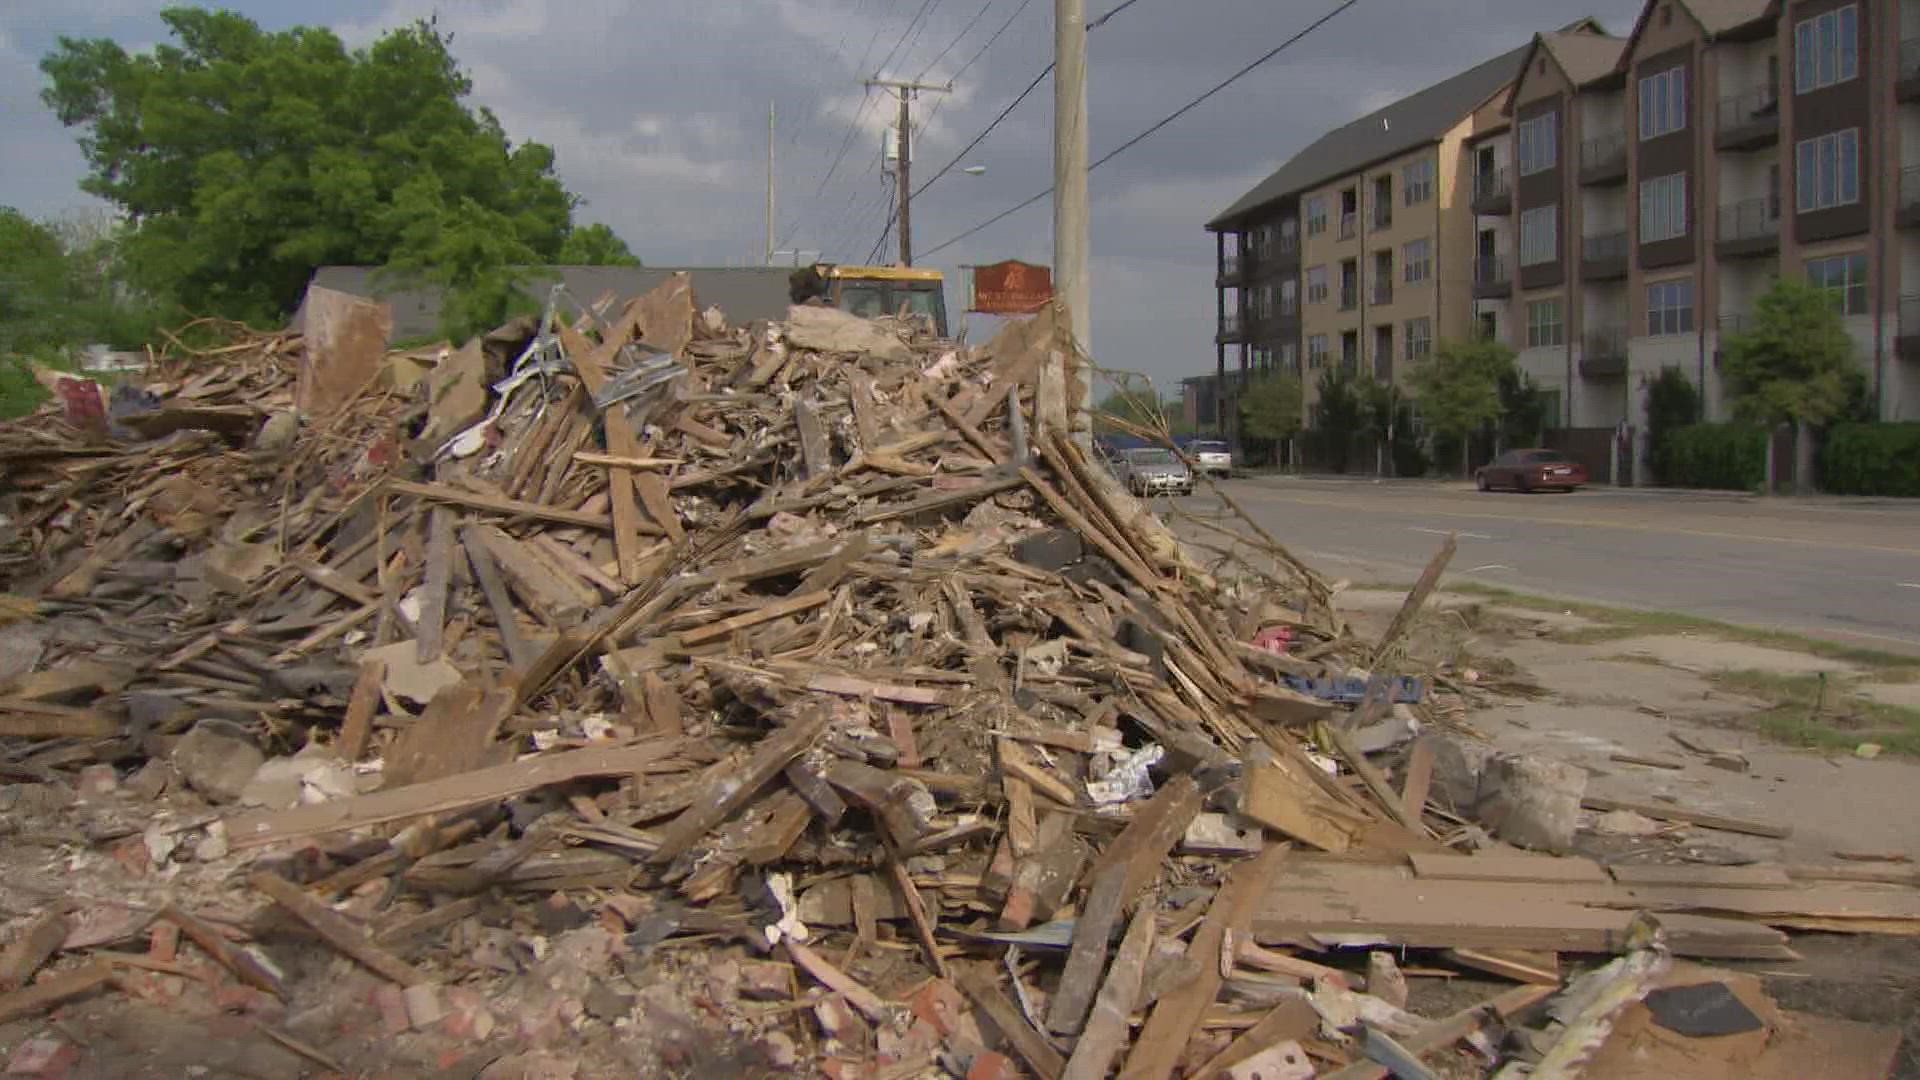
1531	470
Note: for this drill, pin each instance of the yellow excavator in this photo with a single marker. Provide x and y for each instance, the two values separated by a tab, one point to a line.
869	291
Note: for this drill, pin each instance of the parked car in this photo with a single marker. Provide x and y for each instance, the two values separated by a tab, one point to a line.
1151	471
1531	470
1211	457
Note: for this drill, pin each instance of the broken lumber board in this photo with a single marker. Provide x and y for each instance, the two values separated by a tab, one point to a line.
775	563
729	785
39	720
34	946
1716	877
1375	780
429	633
838	981
1126	868
499	505
1452	1028
1032	1047
1547	869
53	990
1177	1015
652	489
1106	1031
588	457
1293	1019
1666	812
591	364
1017	764
815	457
334	928
520	652
940	500
451	793
558	599
1276	800
239	961
1416	598
1521	965
334	581
849	686
1419	778
923	922
778	609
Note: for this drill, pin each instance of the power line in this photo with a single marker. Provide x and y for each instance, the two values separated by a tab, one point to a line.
957	39
925	7
1163	122
873	39
1102	20
982	51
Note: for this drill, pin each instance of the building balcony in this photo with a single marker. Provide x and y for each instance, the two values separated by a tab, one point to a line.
1349	297
1382	217
1603	353
1906	212
1492	193
1492	280
1907	344
1748	228
1277	326
1349	226
1232	330
1604	257
1749	120
1603	160
1232	270
1907	85
1382	292
1383	365
1285	255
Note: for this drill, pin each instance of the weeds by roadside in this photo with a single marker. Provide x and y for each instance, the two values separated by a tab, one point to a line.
1824	712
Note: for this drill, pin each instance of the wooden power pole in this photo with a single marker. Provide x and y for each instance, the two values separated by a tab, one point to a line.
903	213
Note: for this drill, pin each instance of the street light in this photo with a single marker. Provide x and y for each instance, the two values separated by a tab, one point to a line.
974	170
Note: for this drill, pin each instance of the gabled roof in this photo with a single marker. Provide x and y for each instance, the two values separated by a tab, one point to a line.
1415	120
743	293
1584	54
1715	17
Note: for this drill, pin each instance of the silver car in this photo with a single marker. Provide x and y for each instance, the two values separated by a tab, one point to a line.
1150	471
1211	457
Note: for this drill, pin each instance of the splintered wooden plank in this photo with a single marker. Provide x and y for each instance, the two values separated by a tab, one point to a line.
777	563
1668	812
53	990
1177	1015
941	500
1416	598
357	727
1032	1047
1276	800
520	652
652	488
1716	877
557	600
1126	868
1419	781
1547	869
1106	1032
729	785
452	793
34	946
849	686
591	363
335	929
431	631
39	720
779	609
498	505
814	452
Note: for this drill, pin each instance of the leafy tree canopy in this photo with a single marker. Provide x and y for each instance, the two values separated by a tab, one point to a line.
243	159
595	245
1795	362
1459	389
1271	407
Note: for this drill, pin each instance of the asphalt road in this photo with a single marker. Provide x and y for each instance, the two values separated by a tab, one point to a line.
1843	569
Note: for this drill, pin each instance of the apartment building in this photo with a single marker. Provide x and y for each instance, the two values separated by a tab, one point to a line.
1610	206
1357	251
1656	194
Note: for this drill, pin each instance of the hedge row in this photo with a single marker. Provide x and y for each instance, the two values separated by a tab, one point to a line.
1871	459
1729	457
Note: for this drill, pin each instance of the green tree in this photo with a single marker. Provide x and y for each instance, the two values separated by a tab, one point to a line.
1794	364
243	159
1672	403
1132	404
1459	389
1343	412
1523	409
594	245
36	286
1270	409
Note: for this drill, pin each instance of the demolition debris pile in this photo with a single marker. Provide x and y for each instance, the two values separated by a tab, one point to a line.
816	650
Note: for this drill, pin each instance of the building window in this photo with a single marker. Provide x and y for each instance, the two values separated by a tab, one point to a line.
1544	326
1350	352
1539	235
1663	102
1316	215
1289	235
1416	182
1827	170
1316	352
1418	257
1316	284
1263	303
1826	49
1663	208
1289	298
1539	150
1290	358
1845	276
1419	338
1670	307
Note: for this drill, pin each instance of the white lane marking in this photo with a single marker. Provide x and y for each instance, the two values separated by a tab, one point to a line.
1456	532
1490	566
1910	584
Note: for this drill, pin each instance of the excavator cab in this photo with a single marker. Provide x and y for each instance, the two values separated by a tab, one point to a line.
872	291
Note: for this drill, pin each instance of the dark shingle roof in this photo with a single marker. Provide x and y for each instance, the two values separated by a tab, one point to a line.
1416	119
744	293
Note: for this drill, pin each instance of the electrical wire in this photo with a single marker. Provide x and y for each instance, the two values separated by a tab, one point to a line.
957	39
1163	122
925	7
982	51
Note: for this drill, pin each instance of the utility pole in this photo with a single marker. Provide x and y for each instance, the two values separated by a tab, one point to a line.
769	249
1070	183
903	215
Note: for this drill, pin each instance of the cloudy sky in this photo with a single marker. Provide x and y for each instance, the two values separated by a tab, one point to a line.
658	113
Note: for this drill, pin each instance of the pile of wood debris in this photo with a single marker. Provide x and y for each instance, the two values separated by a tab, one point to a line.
792	696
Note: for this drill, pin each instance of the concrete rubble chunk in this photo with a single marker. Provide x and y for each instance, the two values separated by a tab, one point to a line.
217	759
1532	800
